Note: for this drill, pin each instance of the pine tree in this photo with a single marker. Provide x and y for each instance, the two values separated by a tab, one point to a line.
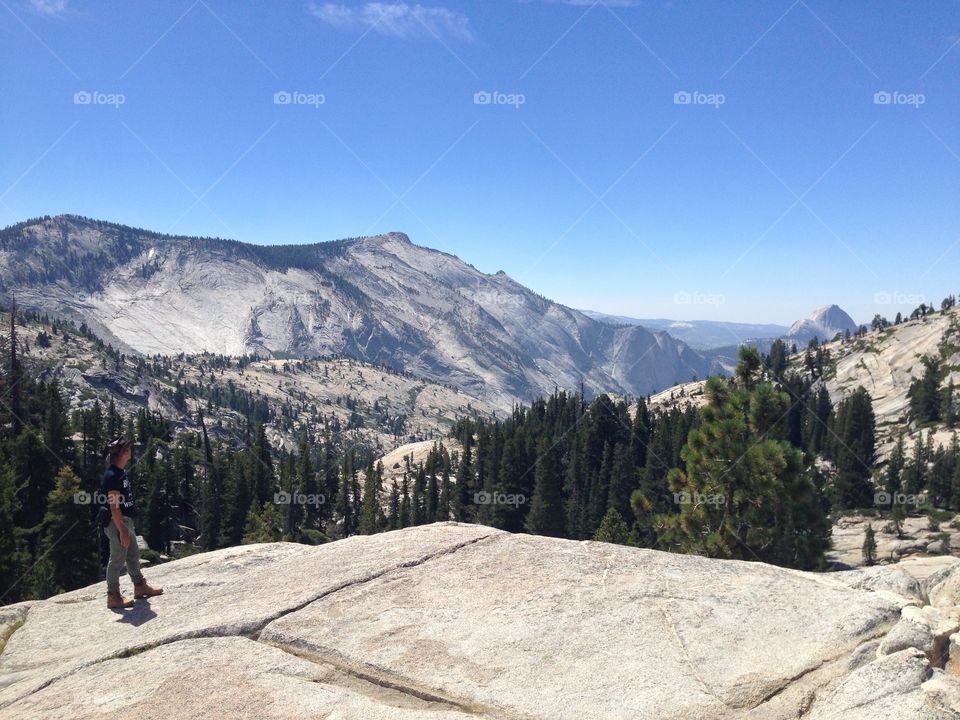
239	502
733	498
445	504
67	538
432	498
924	393
265	525
393	514
212	514
464	487
261	468
307	482
418	512
371	515
854	449
346	508
406	515
546	516
612	529
13	557
777	359
869	546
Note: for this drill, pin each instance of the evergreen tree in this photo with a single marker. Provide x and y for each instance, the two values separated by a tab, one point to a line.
212	514
371	514
393	514
869	546
743	494
307	482
261	468
13	557
445	503
265	525
67	538
854	449
612	529
777	359
546	516
924	394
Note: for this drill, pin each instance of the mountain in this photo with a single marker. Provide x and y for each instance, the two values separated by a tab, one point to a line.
379	299
824	324
459	621
699	334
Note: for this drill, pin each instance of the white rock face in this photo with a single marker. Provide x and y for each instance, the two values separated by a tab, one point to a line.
451	620
824	323
379	299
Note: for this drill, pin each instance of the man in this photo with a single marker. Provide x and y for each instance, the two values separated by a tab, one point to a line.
115	487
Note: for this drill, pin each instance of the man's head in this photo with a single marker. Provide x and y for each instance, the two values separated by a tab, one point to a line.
119	450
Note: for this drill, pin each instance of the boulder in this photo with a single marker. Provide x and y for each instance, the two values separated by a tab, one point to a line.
943	587
927	629
893	687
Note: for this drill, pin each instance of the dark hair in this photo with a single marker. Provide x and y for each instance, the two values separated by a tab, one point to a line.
116	446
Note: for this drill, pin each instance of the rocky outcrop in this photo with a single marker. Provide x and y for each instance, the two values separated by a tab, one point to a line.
824	323
455	621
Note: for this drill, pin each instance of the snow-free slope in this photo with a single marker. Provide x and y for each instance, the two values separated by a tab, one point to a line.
380	299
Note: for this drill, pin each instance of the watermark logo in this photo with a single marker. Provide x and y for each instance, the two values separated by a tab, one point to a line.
695	97
95	97
698	298
498	298
295	97
886	499
498	498
897	298
298	498
685	498
84	498
485	97
895	97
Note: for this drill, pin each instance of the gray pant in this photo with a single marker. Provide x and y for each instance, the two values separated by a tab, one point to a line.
120	555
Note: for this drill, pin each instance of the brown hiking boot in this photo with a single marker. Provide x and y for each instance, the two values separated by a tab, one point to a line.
143	590
117	601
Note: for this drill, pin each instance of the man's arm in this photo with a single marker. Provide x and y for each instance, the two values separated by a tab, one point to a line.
113	499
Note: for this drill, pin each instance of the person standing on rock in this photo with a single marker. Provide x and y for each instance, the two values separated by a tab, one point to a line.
116	492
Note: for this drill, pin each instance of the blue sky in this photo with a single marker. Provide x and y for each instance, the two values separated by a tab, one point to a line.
693	160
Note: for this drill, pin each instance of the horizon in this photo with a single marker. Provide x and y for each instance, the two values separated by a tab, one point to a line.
719	164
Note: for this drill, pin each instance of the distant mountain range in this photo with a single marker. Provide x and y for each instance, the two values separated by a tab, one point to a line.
709	336
379	299
700	334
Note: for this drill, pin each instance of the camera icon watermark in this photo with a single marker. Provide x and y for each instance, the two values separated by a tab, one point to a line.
498	498
83	497
695	97
897	298
885	499
685	498
698	298
95	97
295	97
498	298
298	498
895	97
485	97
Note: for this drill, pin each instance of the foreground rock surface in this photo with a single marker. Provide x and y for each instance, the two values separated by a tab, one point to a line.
452	620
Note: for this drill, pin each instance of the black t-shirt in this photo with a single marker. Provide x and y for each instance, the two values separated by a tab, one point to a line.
115	478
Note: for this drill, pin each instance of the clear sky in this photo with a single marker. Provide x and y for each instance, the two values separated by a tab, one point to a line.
692	160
